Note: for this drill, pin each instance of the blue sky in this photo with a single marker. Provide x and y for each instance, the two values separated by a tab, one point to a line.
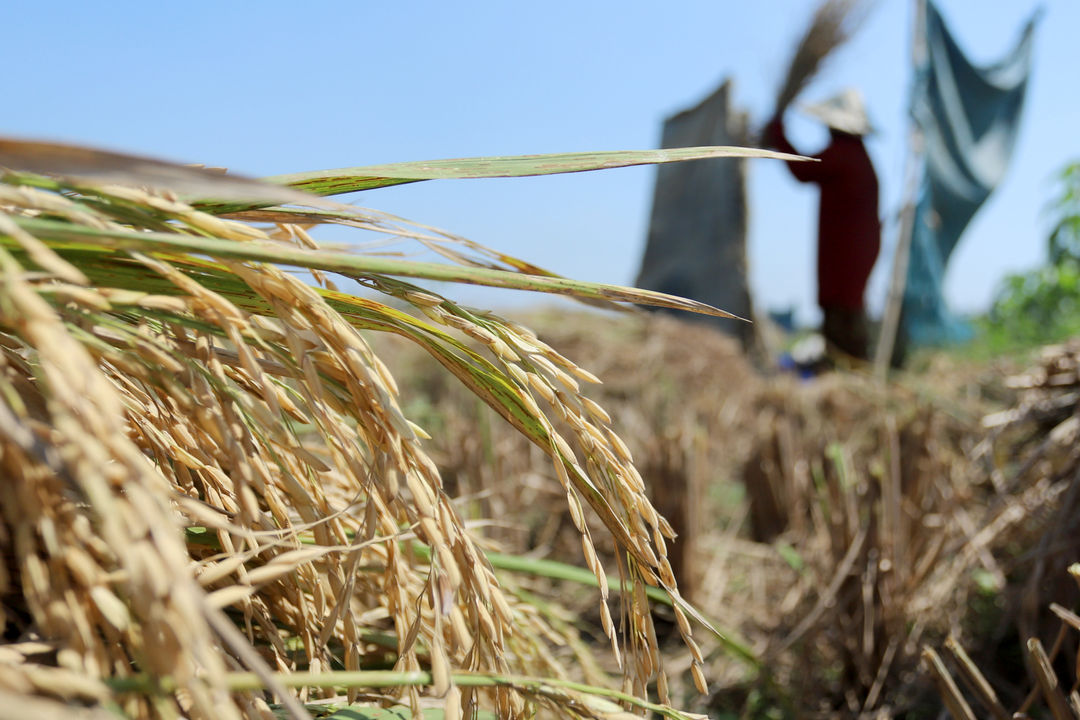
275	87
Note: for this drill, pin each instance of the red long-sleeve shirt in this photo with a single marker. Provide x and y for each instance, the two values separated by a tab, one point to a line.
849	231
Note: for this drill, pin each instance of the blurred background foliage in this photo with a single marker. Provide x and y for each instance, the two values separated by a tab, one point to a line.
1043	304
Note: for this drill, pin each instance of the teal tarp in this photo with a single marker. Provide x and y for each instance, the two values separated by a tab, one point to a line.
968	117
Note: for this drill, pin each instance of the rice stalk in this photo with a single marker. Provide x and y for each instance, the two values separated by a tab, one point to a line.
165	377
561	693
954	700
975	680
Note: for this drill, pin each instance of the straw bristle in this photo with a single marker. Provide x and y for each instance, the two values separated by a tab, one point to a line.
832	25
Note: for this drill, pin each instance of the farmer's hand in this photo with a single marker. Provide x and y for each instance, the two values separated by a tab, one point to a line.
773	131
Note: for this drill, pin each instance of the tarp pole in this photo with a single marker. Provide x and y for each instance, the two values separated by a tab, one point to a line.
890	321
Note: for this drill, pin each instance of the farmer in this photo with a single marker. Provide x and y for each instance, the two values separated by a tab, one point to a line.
849	232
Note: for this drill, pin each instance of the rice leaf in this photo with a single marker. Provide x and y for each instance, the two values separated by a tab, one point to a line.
333	182
371	177
85	237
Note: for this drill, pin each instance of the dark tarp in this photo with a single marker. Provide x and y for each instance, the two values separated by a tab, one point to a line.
697	234
968	117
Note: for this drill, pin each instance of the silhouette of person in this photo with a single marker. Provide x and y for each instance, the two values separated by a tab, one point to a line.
849	230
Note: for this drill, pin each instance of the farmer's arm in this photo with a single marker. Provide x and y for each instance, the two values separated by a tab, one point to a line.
773	136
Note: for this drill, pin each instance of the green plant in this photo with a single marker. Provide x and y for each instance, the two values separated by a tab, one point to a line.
1043	305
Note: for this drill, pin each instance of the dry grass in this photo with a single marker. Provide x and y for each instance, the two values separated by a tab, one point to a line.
867	489
1031	446
903	522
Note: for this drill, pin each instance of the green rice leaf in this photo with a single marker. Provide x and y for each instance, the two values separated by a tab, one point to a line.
351	263
335	182
370	177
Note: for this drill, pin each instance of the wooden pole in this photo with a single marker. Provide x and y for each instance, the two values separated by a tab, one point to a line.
890	321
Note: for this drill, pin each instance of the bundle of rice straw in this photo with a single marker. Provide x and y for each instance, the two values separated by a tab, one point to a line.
834	22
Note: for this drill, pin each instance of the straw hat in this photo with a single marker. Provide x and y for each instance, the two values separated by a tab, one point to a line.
844	112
